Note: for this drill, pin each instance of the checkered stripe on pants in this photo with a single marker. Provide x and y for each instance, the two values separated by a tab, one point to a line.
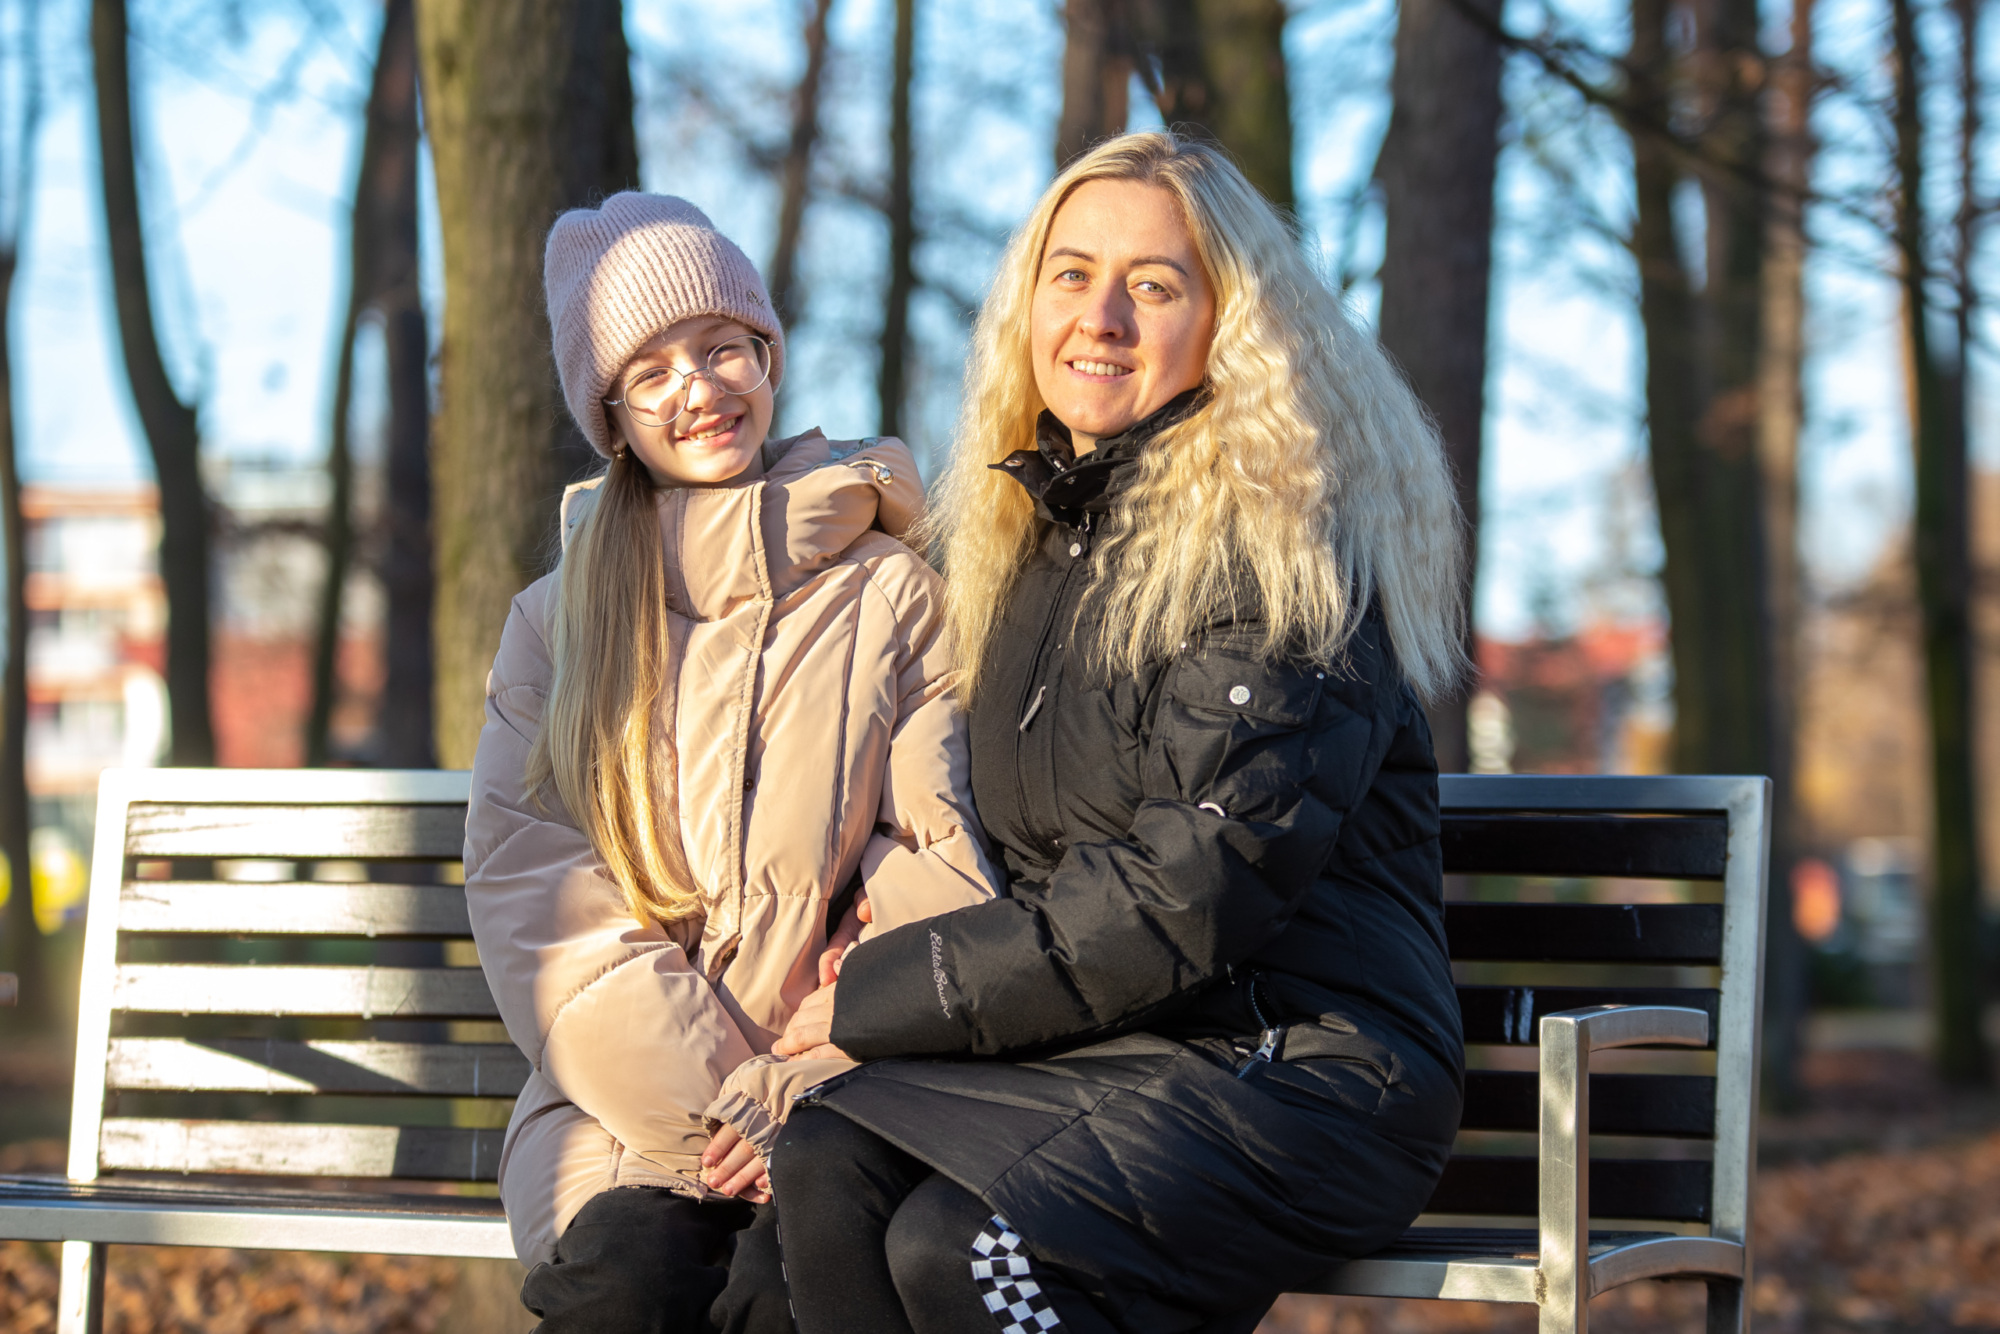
1001	1272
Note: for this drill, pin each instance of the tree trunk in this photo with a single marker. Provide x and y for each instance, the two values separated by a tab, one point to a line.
528	107
1780	411
795	172
172	431
1220	68
1937	389
1701	401
382	277
892	384
1437	169
24	956
1098	51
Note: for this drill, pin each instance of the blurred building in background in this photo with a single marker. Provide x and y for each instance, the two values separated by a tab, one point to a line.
270	567
1597	701
97	644
96	647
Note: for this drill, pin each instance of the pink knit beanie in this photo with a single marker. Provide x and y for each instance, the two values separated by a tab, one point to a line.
618	274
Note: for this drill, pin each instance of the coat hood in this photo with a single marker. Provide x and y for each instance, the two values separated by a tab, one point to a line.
730	544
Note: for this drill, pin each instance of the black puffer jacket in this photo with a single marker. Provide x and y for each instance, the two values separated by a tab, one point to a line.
1209	1042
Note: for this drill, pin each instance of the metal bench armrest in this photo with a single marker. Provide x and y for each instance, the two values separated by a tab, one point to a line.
1567	1040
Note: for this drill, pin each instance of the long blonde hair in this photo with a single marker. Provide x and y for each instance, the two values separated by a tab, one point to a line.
606	743
1310	477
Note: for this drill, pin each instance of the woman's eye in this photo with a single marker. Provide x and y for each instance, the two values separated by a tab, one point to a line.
1148	285
1072	276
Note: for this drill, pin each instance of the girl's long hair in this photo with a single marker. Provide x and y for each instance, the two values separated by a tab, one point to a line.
606	743
1310	478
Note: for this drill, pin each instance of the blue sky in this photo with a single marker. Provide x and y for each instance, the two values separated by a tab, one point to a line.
247	195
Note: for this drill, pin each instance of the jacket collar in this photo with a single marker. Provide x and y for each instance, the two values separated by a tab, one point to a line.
1067	490
730	545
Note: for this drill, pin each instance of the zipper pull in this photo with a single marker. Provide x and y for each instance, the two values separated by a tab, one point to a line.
1033	709
1266	1051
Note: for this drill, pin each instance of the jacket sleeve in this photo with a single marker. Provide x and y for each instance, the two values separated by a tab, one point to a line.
1249	769
927	853
757	1096
611	1013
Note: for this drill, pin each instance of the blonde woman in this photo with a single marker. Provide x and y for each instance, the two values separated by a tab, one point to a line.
727	703
1202	569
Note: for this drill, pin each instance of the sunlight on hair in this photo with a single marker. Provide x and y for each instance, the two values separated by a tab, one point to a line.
1309	482
606	743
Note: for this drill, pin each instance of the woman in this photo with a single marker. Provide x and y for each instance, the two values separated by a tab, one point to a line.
727	702
1202	566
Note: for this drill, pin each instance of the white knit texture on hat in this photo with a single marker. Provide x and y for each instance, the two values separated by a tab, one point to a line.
618	274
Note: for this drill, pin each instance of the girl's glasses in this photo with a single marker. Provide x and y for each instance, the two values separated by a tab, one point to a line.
655	396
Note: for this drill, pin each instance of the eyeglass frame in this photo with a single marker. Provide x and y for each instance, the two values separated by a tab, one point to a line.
688	377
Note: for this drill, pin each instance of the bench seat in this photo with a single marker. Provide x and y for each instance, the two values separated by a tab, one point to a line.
153	1213
1479	1264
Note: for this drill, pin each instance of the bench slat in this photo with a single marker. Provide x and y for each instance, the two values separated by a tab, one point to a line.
1676	1105
359	833
1682	933
364	993
1512	1015
303	908
1674	847
259	1065
1640	1188
416	1153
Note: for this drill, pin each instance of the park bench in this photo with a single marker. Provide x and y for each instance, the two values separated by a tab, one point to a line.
309	1060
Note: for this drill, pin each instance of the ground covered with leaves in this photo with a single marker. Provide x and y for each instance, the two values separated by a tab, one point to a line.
1878	1209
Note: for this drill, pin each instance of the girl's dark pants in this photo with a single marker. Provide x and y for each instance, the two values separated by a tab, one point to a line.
876	1242
643	1260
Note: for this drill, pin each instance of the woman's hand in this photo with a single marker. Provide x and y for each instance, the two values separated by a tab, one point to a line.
729	1166
810	1032
844	937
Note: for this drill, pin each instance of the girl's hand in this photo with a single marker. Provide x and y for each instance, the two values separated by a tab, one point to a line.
731	1167
844	937
811	1030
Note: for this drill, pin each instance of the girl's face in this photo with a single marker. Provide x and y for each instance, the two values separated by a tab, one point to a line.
1123	313
708	434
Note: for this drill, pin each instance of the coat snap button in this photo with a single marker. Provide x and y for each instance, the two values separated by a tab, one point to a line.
1239	694
1076	548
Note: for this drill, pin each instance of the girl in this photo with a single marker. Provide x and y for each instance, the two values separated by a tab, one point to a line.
1202	567
728	701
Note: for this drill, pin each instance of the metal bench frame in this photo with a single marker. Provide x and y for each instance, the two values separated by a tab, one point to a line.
85	1218
1568	1264
1558	1269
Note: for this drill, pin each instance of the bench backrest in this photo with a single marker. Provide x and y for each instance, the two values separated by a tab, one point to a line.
327	1021
326	1027
1673	1131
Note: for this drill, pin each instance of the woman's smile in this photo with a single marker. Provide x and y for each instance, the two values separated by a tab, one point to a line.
1099	370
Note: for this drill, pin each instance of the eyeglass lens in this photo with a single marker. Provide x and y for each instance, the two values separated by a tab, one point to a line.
736	367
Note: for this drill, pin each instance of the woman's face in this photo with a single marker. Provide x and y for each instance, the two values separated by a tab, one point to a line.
717	436
1123	312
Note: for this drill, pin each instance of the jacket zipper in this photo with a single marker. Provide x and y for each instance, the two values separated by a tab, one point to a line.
1267	1048
1029	710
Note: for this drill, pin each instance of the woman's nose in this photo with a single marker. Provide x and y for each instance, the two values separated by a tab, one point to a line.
1104	317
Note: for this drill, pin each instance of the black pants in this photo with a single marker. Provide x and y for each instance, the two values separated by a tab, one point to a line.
875	1242
643	1260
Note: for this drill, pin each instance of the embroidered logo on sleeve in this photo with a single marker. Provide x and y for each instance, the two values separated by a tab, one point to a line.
937	972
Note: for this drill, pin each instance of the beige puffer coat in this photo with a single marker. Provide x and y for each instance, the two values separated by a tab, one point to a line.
817	736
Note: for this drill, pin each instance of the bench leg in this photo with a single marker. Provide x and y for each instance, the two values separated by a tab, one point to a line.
1727	1311
81	1306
